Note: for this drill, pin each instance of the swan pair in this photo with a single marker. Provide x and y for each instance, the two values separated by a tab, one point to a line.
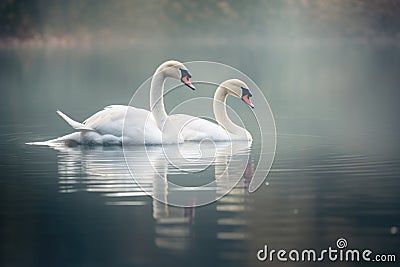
117	124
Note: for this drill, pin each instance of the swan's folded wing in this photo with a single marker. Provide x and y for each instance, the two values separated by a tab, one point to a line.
196	129
111	120
108	111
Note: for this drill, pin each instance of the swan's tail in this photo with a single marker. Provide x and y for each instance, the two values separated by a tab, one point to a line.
72	139
74	124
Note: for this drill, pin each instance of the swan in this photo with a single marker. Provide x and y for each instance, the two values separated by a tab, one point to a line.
197	129
106	127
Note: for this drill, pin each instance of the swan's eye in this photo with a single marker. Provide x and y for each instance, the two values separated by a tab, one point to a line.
246	91
185	73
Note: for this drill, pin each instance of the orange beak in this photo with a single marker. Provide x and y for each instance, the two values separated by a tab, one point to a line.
247	100
187	82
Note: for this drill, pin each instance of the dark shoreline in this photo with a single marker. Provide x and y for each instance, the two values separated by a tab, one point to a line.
67	42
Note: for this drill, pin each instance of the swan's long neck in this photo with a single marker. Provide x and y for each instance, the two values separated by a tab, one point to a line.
220	114
157	99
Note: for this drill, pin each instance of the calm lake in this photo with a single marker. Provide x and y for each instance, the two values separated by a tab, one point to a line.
335	174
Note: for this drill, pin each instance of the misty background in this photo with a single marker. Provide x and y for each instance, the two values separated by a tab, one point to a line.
90	21
313	58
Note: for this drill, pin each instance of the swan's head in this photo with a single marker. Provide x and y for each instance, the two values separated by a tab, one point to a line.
176	70
238	89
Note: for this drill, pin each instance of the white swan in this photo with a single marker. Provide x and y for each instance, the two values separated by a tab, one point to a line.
141	126
197	129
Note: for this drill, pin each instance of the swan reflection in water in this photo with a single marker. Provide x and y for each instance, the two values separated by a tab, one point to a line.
218	171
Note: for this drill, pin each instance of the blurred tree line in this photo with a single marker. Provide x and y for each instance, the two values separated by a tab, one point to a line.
25	19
